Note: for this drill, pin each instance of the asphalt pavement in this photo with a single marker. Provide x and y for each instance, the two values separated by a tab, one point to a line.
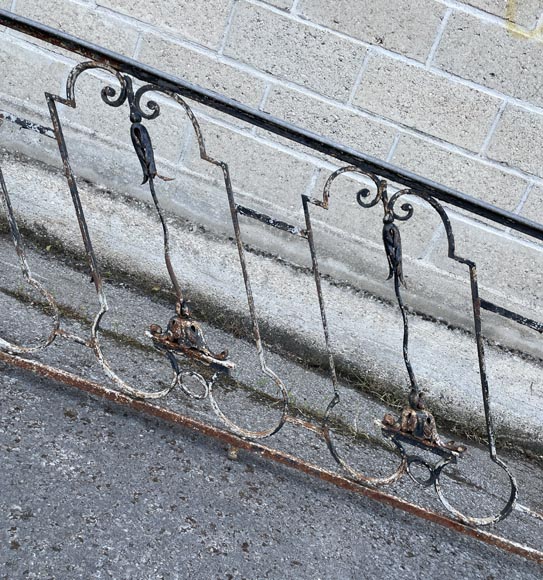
90	490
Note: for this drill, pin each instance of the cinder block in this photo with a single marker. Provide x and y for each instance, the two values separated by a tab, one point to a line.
509	271
289	50
460	172
255	168
533	207
393	25
518	140
202	21
522	12
345	127
430	103
27	72
200	69
83	22
282	4
489	55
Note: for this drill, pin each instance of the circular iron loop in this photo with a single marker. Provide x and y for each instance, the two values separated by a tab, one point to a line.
416	460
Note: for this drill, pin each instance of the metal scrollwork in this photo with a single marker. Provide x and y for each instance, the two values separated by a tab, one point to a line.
416	426
454	450
183	337
182	340
114	98
29	278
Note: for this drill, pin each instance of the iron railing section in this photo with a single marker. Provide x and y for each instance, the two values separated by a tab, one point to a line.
183	338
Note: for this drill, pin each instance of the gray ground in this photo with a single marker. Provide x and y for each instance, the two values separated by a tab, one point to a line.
90	490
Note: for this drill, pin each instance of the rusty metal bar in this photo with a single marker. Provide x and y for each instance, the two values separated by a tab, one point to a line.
26	124
271	454
269	221
270	123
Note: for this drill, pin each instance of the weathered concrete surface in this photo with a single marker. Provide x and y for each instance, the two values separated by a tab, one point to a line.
404	93
351	247
366	332
90	490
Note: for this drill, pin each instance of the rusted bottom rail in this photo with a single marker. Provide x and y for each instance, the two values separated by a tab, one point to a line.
270	454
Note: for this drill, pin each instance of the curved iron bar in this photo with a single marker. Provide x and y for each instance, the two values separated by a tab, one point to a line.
209	389
380	185
256	330
416	425
113	98
415	395
18	244
184	335
380	196
434	469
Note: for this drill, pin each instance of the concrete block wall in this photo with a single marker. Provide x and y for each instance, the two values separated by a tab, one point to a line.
446	88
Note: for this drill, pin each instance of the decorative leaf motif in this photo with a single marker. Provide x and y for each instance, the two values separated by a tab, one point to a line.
144	150
393	248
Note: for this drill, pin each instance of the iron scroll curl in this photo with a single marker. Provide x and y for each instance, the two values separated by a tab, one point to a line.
184	336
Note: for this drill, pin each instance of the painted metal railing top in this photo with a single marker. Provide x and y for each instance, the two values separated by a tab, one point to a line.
270	123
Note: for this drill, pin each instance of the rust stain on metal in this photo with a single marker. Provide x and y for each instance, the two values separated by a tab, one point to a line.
26	124
186	336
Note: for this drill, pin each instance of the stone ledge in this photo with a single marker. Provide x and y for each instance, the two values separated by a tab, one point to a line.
366	332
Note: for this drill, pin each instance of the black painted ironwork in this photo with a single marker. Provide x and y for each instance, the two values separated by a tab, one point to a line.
183	337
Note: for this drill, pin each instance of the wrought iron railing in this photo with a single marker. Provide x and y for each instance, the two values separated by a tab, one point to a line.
183	337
